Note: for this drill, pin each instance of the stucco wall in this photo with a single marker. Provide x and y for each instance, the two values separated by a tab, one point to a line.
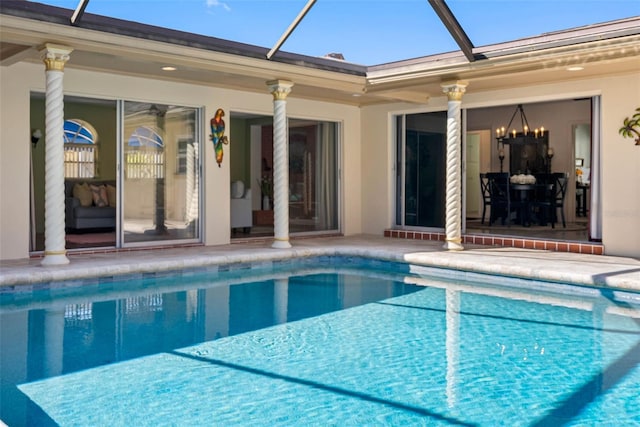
378	157
15	145
620	96
18	80
367	150
621	163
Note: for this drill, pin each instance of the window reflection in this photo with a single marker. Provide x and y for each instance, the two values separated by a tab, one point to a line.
161	180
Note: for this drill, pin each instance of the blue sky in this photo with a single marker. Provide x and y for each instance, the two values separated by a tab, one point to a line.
367	32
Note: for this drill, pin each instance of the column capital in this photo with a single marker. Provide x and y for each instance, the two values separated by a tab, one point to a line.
279	89
55	56
455	89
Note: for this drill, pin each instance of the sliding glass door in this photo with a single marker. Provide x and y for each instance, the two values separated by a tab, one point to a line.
313	171
420	179
313	175
160	173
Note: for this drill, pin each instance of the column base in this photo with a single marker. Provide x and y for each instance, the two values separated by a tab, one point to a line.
55	259
453	245
281	244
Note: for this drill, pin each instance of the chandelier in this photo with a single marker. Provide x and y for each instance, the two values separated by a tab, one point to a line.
508	134
524	136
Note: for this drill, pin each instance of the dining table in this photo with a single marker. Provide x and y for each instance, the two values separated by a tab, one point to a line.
524	196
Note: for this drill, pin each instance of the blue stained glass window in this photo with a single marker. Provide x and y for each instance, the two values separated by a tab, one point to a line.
145	136
79	132
80	149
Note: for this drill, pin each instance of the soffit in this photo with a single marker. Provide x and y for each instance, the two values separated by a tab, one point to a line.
601	49
99	51
11	50
410	81
598	58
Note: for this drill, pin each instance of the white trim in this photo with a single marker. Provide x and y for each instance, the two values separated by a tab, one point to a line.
463	169
595	204
119	172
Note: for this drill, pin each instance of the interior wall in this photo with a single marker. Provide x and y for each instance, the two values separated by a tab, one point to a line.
239	151
256	165
582	138
37	121
557	117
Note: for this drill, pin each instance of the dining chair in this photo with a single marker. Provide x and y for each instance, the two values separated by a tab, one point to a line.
499	194
543	198
486	194
560	191
551	198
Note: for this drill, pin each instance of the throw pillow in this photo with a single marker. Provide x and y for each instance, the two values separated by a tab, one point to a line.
99	193
82	192
111	195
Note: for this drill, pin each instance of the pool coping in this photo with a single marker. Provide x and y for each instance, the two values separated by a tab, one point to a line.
567	268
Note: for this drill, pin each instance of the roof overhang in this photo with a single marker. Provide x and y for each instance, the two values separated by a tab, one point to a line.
117	46
602	50
129	48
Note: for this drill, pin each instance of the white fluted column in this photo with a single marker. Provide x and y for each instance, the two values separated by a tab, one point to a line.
280	89
280	300
54	341
54	58
453	204
452	344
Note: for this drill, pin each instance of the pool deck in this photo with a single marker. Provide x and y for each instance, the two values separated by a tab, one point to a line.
590	270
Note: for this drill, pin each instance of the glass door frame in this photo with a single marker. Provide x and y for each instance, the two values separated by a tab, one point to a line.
399	129
199	135
400	124
337	137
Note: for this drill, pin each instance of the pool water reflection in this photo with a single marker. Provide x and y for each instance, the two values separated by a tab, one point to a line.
330	345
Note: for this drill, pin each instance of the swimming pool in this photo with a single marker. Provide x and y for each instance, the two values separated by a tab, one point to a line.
319	341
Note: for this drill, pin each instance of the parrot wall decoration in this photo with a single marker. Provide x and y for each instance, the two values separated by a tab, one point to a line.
217	135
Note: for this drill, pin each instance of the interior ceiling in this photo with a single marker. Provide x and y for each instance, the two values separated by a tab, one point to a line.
137	57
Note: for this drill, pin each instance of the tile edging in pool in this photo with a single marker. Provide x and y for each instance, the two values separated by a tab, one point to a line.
456	270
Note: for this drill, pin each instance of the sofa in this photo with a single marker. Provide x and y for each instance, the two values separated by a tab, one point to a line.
241	215
89	204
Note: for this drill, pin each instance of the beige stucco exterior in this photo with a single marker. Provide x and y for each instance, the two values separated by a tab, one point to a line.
367	147
21	79
621	168
620	157
116	66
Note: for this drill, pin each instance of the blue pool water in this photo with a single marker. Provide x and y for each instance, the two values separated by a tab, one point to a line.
322	341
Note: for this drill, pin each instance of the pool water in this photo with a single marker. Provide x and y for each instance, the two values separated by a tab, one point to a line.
328	341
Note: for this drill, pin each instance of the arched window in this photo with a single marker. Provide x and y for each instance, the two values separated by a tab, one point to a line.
80	149
146	136
145	154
